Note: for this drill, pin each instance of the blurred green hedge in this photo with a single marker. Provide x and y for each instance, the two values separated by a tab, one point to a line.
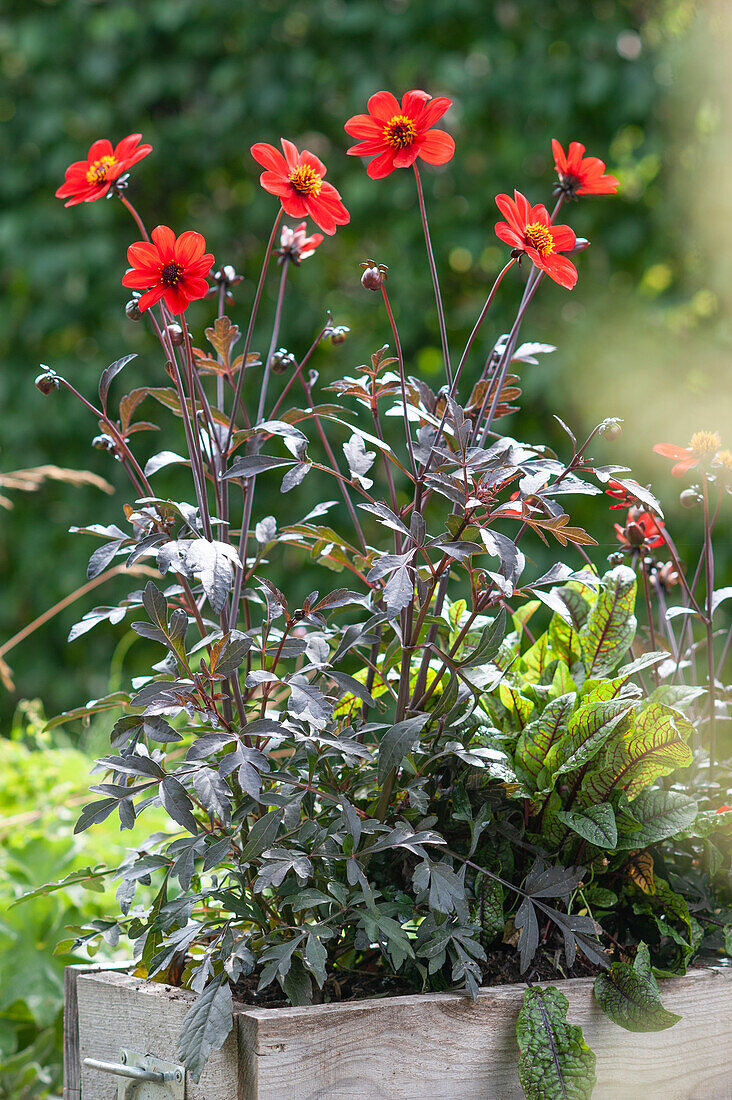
202	81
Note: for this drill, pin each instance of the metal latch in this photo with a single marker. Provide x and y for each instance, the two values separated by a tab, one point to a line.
144	1077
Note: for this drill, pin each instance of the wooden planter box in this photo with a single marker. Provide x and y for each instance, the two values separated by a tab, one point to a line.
433	1047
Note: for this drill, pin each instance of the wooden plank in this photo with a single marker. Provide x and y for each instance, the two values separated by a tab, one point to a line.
72	1068
431	1047
117	1011
444	1047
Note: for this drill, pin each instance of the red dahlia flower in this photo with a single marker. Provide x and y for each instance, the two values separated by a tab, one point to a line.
529	229
296	245
297	180
90	179
641	530
581	175
396	135
173	268
702	448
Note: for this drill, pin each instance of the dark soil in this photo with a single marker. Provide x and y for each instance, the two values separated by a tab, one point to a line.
500	968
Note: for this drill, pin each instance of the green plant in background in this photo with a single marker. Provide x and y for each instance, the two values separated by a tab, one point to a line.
43	783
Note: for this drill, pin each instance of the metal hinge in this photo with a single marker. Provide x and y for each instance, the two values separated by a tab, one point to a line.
143	1076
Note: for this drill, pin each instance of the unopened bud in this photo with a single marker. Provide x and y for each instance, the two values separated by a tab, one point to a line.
175	334
338	334
103	443
612	431
47	382
282	361
689	498
579	246
615	558
132	310
374	275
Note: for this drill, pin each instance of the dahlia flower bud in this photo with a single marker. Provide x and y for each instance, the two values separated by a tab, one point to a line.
132	310
175	334
612	432
374	275
338	334
689	498
47	382
282	361
579	246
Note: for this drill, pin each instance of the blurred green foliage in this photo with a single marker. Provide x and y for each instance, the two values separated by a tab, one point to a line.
43	782
202	81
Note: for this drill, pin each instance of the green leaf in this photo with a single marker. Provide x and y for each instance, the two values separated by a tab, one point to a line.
397	742
555	1062
588	730
595	824
206	1026
654	746
261	835
539	736
610	628
490	909
489	642
656	814
629	996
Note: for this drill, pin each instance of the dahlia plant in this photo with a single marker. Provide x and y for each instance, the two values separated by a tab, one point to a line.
448	758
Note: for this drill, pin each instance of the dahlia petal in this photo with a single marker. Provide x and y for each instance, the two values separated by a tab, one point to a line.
310	158
367	148
126	146
292	155
564	238
508	208
154	295
140	279
139	153
437	147
413	102
201	267
294	204
189	248
193	288
405	158
432	111
670	450
101	148
508	235
97	191
331	200
175	299
560	160
684	466
269	157
524	209
383	106
605	185
275	183
381	166
539	213
362	126
560	269
575	153
164	239
141	255
74	201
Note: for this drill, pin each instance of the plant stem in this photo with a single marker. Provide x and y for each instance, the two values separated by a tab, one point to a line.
273	341
711	669
433	272
135	215
402	379
250	332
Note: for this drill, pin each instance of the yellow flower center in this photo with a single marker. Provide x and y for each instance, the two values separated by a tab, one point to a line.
540	237
97	172
306	180
399	132
705	444
171	274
